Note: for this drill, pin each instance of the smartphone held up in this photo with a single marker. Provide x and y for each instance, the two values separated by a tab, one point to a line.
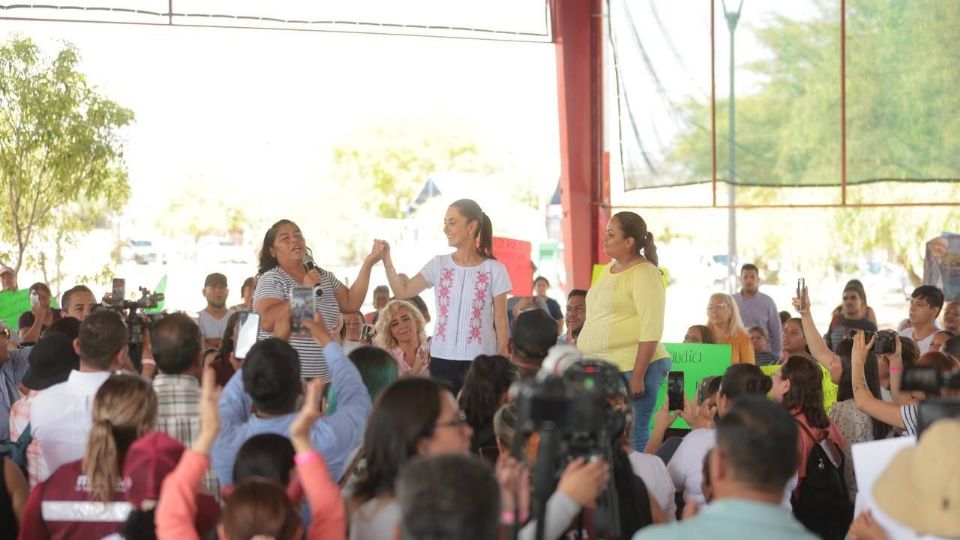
303	304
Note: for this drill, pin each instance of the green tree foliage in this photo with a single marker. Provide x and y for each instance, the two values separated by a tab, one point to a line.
902	98
387	164
197	211
61	153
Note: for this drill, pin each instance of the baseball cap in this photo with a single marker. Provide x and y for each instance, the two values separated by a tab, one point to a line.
51	361
149	460
215	279
534	332
921	486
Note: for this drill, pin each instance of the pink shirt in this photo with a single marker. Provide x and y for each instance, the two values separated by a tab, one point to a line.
19	420
404	369
177	506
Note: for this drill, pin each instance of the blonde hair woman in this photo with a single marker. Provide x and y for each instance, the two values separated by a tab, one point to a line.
124	409
401	330
723	319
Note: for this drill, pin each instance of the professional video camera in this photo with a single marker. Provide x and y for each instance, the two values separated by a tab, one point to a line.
931	380
133	315
568	406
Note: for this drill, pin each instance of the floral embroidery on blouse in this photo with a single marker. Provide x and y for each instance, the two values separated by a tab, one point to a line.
480	287
443	301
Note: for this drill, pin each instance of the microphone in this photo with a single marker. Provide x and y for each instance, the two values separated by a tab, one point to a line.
309	264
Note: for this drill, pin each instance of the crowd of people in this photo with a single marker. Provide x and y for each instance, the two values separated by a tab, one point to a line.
343	424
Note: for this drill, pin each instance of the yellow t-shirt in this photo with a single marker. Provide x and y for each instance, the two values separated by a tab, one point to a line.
623	310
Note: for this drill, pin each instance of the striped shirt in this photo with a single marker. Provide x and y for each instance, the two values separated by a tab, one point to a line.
908	413
178	415
277	284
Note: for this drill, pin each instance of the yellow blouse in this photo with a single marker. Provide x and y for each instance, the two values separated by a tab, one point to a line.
624	309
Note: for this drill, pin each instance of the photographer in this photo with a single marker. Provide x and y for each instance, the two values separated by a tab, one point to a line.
577	409
899	416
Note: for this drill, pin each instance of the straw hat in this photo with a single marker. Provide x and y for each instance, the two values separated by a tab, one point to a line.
921	486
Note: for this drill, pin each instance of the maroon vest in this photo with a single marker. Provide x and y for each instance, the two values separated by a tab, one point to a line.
68	513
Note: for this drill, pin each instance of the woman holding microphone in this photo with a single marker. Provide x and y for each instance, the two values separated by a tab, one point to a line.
624	322
284	264
471	294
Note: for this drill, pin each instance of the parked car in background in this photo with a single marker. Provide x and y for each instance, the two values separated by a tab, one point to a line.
140	252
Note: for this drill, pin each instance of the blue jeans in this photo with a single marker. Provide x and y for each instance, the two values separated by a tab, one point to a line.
643	407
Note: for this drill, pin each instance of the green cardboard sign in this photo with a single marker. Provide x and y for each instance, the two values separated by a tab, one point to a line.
160	288
696	361
12	305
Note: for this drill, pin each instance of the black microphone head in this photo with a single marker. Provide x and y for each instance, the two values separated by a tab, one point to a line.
308	263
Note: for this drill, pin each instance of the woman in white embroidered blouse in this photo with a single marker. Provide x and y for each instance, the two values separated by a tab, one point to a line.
401	330
471	293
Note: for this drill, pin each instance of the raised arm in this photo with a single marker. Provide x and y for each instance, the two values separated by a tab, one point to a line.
328	515
352	300
402	289
887	413
818	347
895	362
177	508
335	436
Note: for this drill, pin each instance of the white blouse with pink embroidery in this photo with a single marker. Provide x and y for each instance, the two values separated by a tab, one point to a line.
464	326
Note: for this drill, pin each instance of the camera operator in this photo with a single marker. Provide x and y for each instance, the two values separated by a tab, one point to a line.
898	416
577	410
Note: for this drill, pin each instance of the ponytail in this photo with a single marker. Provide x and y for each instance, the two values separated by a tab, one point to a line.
485	237
101	464
633	226
650	249
125	407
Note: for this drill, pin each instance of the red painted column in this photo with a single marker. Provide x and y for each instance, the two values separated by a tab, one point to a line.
578	34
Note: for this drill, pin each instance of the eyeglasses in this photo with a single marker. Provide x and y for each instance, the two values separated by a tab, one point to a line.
458	423
715	307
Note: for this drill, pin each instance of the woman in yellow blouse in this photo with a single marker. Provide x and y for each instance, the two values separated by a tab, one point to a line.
723	318
624	321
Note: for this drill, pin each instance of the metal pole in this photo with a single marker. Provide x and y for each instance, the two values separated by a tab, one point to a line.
732	18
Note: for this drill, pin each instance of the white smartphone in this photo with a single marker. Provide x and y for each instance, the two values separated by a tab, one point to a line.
248	326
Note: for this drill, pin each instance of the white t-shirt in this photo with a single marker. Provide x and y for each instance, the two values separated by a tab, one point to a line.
923	344
653	472
464	302
276	283
686	465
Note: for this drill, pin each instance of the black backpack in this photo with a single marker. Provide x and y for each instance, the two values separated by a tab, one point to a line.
822	504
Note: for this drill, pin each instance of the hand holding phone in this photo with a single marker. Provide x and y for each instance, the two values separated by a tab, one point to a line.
119	290
675	391
303	304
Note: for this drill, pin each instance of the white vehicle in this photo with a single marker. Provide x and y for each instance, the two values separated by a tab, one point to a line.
140	252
